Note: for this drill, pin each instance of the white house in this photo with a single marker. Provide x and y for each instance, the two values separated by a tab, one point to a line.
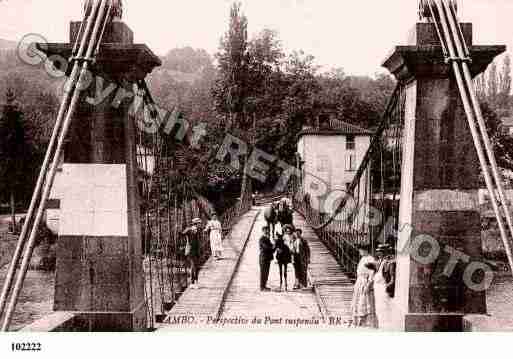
329	156
507	125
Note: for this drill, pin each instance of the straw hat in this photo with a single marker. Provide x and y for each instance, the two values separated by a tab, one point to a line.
384	248
288	227
196	221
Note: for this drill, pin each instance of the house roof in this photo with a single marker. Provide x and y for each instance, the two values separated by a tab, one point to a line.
335	128
507	121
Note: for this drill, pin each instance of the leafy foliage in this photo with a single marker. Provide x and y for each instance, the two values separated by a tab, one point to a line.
494	91
252	88
31	116
15	150
232	85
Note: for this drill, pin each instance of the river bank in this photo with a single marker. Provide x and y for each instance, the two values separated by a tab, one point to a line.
36	298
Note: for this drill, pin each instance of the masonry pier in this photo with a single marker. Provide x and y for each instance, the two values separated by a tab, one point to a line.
439	189
99	272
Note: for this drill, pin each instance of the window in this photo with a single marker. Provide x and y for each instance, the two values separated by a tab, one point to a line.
351	163
350	143
323	163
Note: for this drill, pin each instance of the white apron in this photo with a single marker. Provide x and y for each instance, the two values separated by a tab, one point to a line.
216	242
384	305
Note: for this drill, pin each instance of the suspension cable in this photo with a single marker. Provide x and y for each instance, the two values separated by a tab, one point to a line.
463	50
49	153
99	15
445	18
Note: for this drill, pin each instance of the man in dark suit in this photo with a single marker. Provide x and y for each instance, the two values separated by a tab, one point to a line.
193	254
266	256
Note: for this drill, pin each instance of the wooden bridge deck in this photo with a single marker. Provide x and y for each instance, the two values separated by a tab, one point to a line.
332	286
229	295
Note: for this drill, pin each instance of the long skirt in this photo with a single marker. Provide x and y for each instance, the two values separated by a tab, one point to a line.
384	307
216	243
363	308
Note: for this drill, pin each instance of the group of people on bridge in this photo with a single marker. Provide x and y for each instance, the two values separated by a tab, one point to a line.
282	242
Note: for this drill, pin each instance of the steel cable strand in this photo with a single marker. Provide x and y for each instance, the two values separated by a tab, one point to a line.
102	16
463	52
82	39
441	20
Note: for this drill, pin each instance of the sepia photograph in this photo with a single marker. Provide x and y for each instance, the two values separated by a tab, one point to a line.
224	165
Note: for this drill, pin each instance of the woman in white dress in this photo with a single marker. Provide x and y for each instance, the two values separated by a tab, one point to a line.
216	240
290	241
383	282
363	311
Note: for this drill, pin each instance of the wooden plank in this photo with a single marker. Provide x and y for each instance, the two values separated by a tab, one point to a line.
214	278
332	286
330	295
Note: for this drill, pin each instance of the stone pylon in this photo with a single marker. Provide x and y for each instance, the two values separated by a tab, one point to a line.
99	255
439	209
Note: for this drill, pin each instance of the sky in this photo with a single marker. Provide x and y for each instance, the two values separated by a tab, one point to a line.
354	35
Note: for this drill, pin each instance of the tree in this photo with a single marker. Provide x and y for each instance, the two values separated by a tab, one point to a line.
14	151
502	142
493	86
360	100
231	90
480	86
232	83
504	92
265	55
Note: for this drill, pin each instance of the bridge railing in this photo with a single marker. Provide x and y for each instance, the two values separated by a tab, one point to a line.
367	211
168	208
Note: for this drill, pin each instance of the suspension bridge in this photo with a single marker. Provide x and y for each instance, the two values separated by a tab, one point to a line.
120	259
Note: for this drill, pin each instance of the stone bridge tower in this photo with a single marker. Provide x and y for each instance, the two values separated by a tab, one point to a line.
439	190
99	258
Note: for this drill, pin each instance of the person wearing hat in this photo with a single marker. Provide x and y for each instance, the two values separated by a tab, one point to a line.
288	235
192	250
265	258
284	215
384	286
270	217
215	230
363	308
303	250
291	241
